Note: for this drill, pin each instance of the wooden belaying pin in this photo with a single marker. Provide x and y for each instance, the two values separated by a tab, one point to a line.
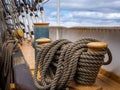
43	41
96	46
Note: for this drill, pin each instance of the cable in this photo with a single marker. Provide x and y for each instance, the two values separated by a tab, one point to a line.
63	61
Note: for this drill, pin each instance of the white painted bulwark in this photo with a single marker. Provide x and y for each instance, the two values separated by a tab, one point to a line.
109	35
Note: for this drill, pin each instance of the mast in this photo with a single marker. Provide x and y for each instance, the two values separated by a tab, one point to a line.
58	12
58	18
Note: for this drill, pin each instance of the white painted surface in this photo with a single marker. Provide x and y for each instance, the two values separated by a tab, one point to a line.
112	37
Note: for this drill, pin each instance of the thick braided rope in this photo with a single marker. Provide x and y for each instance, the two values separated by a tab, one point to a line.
63	61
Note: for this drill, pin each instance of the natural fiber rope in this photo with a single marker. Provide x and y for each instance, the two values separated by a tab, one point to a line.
63	61
6	63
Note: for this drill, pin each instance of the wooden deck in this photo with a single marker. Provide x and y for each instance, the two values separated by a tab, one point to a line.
102	82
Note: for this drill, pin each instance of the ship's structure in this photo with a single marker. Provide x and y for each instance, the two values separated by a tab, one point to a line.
36	56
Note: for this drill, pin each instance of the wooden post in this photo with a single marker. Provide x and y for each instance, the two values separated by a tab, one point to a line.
42	42
41	30
92	47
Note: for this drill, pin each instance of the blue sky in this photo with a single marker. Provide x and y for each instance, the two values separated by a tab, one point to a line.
84	12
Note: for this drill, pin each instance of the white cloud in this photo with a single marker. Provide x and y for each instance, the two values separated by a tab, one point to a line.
95	15
113	16
85	12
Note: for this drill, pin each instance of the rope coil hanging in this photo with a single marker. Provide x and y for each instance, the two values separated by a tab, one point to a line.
6	63
62	61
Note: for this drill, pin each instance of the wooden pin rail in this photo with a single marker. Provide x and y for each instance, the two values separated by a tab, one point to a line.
103	81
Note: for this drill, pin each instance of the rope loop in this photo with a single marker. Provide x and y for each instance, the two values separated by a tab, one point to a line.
109	57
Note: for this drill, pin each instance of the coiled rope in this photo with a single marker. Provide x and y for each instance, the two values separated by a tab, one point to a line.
6	63
63	61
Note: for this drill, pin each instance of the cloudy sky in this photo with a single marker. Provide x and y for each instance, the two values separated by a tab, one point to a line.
84	12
